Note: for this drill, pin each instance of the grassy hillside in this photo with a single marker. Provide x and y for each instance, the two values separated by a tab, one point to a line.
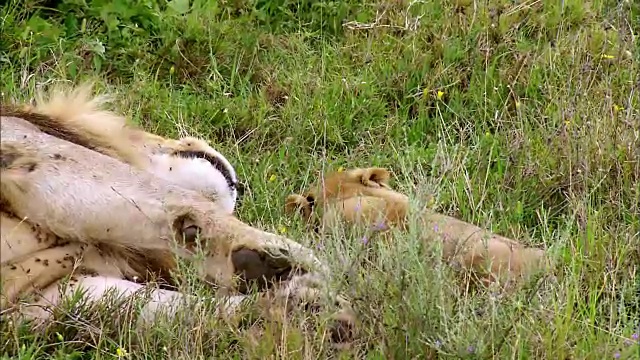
520	116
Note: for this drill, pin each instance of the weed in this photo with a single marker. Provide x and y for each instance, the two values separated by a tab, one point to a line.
522	117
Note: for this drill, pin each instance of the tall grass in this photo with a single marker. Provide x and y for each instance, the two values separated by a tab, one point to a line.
522	117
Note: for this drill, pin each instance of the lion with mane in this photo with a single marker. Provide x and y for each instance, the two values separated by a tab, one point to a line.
84	194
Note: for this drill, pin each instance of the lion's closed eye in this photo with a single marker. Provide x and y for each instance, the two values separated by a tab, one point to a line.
191	233
187	231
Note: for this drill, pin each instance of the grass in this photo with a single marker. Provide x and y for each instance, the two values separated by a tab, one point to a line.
522	117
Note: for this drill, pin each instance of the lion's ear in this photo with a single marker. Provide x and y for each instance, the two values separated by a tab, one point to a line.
298	203
375	177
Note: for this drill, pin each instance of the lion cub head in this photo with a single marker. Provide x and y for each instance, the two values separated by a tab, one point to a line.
359	196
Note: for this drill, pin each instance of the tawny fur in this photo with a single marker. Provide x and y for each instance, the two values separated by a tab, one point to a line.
37	270
88	185
364	197
20	237
35	278
76	116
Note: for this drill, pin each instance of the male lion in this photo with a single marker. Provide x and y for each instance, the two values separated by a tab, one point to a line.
81	192
363	196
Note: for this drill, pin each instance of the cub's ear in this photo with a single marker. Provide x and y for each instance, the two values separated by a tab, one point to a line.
375	177
293	203
298	203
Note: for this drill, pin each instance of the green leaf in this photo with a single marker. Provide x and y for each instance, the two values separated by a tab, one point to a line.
73	69
97	64
179	6
71	24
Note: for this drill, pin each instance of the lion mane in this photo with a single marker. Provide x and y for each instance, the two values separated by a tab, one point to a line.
84	194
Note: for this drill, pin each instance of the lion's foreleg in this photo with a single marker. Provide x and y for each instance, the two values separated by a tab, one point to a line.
151	301
35	271
18	237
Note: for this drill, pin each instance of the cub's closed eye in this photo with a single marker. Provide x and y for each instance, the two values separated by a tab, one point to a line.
311	200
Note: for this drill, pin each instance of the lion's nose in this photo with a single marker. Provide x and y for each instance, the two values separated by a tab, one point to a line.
259	269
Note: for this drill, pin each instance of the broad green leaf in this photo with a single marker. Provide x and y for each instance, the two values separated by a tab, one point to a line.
179	6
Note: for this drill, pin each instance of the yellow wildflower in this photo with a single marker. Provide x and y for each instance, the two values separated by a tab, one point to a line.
617	108
172	70
272	178
518	104
440	94
340	169
120	352
606	56
282	229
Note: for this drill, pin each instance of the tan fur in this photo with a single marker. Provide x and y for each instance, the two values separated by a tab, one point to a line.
18	238
363	196
77	116
36	271
78	175
152	143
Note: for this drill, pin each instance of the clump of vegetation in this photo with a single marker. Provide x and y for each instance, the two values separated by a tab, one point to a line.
522	117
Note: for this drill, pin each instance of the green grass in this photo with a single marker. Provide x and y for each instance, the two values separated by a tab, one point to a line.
522	117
